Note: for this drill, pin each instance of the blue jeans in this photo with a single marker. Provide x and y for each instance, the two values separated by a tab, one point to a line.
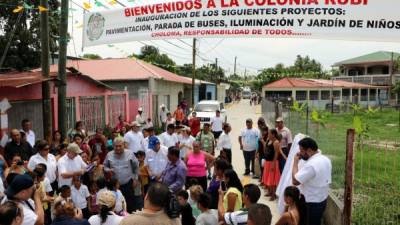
315	211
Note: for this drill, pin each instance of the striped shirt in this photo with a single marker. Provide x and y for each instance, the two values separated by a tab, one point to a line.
237	217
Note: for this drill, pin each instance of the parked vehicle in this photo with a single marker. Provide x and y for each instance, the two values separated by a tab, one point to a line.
206	109
246	94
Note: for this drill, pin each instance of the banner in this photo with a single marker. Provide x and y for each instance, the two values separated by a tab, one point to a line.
369	20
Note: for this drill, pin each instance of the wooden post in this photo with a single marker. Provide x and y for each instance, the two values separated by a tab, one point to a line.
349	177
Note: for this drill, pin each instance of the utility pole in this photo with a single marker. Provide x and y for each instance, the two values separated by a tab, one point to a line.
62	74
193	70
44	57
216	79
234	68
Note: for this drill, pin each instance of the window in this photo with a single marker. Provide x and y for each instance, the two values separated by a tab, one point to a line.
336	95
364	95
313	95
346	94
325	95
372	94
301	95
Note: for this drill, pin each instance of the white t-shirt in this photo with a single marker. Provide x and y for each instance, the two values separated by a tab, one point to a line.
111	219
157	161
216	123
51	164
47	185
79	196
168	140
315	178
67	165
224	141
286	137
30	216
134	140
188	142
30	137
249	138
236	218
209	217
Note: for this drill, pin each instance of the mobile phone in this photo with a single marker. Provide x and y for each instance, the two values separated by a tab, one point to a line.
223	186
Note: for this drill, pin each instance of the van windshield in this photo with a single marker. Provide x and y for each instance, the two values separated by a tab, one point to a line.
206	108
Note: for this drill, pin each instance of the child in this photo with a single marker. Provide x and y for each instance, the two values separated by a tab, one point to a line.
195	192
44	188
65	196
186	210
208	216
93	207
149	123
80	196
143	172
120	203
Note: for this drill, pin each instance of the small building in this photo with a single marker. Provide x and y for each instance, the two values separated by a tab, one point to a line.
318	93
88	100
148	86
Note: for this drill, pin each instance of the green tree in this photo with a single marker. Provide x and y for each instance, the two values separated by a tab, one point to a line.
91	56
152	55
24	51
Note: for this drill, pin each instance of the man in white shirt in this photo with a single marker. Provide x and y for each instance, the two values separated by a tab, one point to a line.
314	177
70	165
248	144
163	116
169	138
27	129
286	141
134	138
156	158
216	124
140	117
224	142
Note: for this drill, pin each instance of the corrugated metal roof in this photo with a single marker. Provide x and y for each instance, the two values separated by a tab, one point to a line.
289	83
121	69
380	56
21	79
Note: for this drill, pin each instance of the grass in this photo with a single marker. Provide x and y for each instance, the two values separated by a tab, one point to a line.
377	167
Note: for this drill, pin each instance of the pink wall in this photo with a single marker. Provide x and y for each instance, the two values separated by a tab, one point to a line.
132	109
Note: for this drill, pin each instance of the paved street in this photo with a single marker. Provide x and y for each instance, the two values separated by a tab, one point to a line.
237	114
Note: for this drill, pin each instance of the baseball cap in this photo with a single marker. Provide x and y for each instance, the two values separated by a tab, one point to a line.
106	198
279	119
153	141
73	147
162	106
19	183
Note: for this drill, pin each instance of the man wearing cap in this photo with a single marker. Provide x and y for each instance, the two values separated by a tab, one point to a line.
163	116
169	138
21	189
156	158
248	144
140	117
286	141
124	166
134	138
70	165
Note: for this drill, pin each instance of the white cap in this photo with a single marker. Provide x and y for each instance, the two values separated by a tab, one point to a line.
140	109
162	106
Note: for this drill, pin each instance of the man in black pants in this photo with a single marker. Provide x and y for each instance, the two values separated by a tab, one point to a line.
248	144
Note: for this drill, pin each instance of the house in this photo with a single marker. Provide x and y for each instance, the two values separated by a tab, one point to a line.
88	100
318	93
148	86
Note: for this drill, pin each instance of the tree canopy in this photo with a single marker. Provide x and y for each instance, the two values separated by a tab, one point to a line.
24	51
91	56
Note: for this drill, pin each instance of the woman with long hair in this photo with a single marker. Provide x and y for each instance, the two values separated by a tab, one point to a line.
11	213
56	142
106	216
295	208
232	199
271	175
220	166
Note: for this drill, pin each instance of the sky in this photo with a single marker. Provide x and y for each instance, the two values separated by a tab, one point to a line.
253	54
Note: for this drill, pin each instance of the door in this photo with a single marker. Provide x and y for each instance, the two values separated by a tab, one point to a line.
156	109
144	100
92	113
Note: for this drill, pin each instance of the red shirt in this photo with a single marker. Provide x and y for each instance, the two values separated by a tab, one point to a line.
194	124
179	115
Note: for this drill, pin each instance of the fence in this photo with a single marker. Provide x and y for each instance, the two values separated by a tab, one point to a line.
116	108
92	112
376	186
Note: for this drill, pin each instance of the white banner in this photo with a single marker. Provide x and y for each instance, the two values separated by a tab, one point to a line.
369	20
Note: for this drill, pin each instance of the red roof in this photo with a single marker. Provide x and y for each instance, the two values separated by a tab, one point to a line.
20	79
313	83
121	69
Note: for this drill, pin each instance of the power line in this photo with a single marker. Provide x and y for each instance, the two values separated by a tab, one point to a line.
185	43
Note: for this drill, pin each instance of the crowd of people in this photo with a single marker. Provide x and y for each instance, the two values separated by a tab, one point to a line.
134	175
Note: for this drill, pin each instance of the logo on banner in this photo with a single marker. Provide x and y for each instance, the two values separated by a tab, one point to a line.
95	26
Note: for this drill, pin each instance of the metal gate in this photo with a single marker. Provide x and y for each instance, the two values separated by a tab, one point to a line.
92	112
144	101
71	113
116	108
31	110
